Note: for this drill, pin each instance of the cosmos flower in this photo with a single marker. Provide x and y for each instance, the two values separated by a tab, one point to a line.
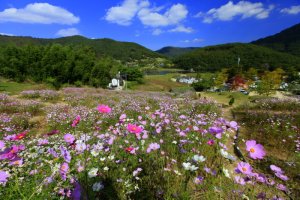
198	158
93	172
2	145
76	121
104	109
276	169
256	151
64	168
210	142
132	128
69	138
152	147
244	168
3	177
76	193
189	166
198	180
20	136
98	186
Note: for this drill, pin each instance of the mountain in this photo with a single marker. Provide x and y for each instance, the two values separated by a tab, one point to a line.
124	51
287	41
214	58
175	51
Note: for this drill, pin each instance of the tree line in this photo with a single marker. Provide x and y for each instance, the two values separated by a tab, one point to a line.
58	64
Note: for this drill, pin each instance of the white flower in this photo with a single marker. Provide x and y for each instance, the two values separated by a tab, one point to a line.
93	172
97	187
227	155
199	158
189	166
226	172
111	157
94	152
174	142
177	172
105	168
102	159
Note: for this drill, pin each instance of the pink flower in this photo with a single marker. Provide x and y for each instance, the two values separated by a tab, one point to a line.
64	168
282	176
210	142
132	128
20	136
244	168
76	121
2	145
104	109
256	151
152	147
69	138
239	180
276	169
16	161
3	177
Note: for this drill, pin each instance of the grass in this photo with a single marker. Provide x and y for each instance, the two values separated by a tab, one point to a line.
224	97
14	88
159	83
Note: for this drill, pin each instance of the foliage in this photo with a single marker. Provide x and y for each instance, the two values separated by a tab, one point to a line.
287	40
214	58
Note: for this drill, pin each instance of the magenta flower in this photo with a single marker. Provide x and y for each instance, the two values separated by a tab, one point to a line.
152	147
104	109
76	121
256	151
244	168
3	177
132	128
69	138
210	142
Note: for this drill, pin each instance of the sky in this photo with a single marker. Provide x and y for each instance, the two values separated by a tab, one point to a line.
151	23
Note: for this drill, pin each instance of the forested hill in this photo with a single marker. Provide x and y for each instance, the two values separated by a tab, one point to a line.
175	51
287	41
124	51
214	58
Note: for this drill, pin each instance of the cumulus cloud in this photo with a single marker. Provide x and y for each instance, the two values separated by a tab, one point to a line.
157	31
293	10
196	40
39	13
182	29
244	9
7	34
68	32
124	13
173	16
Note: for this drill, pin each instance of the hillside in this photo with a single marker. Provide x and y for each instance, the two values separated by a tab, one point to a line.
213	58
124	51
175	51
287	41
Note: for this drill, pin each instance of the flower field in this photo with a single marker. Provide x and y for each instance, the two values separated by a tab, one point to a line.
96	144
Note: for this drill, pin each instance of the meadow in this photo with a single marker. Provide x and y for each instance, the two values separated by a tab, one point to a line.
83	143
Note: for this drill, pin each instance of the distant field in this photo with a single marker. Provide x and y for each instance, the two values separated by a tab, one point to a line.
15	88
159	83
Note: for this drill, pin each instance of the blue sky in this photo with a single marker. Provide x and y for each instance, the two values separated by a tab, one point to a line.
151	23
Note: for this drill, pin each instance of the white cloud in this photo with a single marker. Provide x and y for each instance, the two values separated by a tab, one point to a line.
244	9
293	10
68	32
39	13
124	13
157	31
182	29
196	40
173	16
7	34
